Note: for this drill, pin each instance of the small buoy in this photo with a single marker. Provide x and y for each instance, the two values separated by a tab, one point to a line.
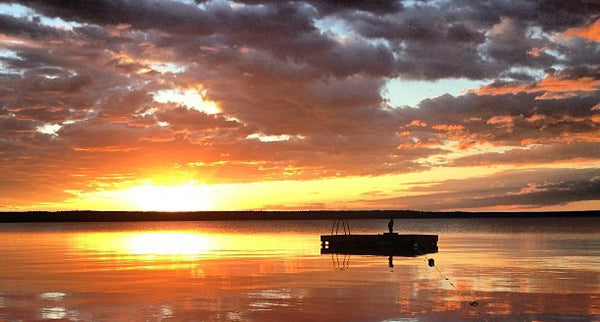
431	262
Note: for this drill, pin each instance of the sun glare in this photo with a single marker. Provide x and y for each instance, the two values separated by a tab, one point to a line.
167	244
184	197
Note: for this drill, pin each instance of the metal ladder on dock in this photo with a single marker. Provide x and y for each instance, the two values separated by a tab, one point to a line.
345	229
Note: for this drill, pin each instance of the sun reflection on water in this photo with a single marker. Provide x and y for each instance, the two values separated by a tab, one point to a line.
168	244
53	313
190	245
147	246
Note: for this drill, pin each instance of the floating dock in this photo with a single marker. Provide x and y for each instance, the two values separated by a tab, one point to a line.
387	244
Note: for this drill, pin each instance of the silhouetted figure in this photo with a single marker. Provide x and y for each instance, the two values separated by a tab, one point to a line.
431	262
391	261
391	225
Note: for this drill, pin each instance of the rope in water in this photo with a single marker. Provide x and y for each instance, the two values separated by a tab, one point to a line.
431	263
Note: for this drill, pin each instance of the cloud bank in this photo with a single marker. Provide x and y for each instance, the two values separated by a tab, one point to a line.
96	93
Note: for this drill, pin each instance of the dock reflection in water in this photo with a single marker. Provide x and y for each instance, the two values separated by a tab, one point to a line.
269	271
390	244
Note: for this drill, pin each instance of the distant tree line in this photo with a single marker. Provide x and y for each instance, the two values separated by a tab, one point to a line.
132	216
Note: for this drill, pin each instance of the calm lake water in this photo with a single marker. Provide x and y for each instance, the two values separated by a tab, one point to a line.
493	269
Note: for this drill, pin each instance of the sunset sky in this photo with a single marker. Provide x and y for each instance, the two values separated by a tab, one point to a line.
267	104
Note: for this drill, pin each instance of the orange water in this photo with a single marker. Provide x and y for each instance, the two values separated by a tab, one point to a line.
519	269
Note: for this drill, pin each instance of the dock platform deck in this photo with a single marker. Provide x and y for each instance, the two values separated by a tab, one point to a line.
382	244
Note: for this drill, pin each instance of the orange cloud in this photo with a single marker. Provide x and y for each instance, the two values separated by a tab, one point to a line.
536	52
504	121
105	149
419	144
417	123
555	87
465	144
591	32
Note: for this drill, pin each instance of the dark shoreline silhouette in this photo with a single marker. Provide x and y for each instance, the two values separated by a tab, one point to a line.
133	216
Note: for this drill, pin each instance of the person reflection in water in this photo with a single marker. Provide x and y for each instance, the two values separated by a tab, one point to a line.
391	225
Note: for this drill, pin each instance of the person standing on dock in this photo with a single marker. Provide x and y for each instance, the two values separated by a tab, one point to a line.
391	225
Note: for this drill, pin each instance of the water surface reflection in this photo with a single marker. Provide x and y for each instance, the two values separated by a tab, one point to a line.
273	271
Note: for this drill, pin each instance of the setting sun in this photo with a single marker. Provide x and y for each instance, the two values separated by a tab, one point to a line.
184	197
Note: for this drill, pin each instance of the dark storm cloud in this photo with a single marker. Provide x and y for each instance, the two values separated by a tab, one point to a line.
121	105
328	7
65	85
11	126
578	72
477	39
43	114
181	18
557	15
170	16
509	119
579	51
93	135
181	118
509	43
539	154
524	188
553	15
10	25
422	35
281	29
462	32
379	7
541	194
